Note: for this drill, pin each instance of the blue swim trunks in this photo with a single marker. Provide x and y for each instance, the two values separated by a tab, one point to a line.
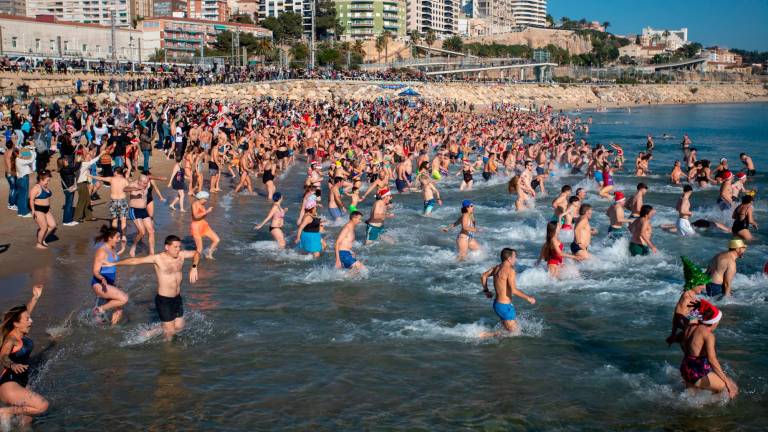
505	311
714	290
335	213
400	185
429	206
373	231
346	258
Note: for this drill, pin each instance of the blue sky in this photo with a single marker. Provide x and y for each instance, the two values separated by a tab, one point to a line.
733	24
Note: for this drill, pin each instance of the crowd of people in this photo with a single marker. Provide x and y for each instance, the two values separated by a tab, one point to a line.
359	156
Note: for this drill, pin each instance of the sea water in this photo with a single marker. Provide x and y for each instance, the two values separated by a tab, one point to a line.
275	340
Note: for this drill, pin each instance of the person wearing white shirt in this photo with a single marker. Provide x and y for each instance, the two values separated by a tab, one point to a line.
25	164
83	209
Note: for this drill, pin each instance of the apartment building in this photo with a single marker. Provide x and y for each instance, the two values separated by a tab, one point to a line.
273	8
13	7
439	16
211	10
497	14
142	8
169	7
182	37
672	39
366	19
529	13
83	11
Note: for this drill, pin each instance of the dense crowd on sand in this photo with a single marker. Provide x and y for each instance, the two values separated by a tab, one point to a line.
359	155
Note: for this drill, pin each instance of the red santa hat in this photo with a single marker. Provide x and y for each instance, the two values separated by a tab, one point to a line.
384	192
618	196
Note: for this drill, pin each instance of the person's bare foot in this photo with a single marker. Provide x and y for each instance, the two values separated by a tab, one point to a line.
41	246
132	251
116	316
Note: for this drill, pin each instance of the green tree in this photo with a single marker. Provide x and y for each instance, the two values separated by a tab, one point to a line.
414	38
606	24
550	21
358	47
327	24
241	18
453	43
380	45
387	35
158	56
286	27
299	52
558	55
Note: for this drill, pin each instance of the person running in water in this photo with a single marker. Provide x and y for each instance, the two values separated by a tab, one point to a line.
700	367
743	218
722	268
505	286
343	247
379	212
749	166
429	192
104	277
465	241
684	214
15	353
168	268
199	227
695	282
277	217
582	234
137	199
642	231
310	229
635	202
552	251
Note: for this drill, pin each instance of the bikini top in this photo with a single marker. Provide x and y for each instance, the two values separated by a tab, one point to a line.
111	258
44	193
21	353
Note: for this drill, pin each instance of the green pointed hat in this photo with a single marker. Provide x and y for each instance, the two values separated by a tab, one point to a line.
694	276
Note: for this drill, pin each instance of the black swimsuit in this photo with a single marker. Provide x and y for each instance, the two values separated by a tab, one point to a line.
739	224
21	357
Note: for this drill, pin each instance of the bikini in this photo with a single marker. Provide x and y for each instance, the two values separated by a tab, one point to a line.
278	215
44	194
108	271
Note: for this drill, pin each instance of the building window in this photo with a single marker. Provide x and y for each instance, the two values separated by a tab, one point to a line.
66	46
98	49
14	41
37	44
85	47
52	44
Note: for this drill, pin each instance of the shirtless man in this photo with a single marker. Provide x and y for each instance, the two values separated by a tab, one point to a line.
725	199
402	173
137	199
562	199
505	285
582	234
616	216
118	206
429	193
335	204
722	268
641	230
635	202
346	238
379	212
749	166
683	207
524	189
168	265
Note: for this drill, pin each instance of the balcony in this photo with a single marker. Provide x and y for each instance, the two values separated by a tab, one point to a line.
391	19
361	8
362	24
391	27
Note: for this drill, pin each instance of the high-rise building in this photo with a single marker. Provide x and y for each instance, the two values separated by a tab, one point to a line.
273	8
211	10
366	19
166	8
529	13
142	8
13	7
497	14
83	11
440	16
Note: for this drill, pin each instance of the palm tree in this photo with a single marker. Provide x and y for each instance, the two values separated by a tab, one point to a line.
379	45
606	24
359	47
415	38
430	38
387	37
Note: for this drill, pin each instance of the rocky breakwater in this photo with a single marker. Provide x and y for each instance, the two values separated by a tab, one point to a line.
559	96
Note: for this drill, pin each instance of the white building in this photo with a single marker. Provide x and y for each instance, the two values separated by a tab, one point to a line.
672	39
13	7
83	11
273	8
49	37
440	16
529	13
498	14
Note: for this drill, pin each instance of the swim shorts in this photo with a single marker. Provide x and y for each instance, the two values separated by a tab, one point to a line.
714	290
118	208
505	311
372	231
139	213
684	227
724	205
638	249
429	206
346	258
575	248
169	308
400	185
334	212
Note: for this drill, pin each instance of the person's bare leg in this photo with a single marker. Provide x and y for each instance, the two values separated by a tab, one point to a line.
212	248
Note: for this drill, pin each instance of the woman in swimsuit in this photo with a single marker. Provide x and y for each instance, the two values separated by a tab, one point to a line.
700	367
268	177
40	203
310	229
607	187
552	250
277	217
466	172
104	276
199	227
15	352
743	218
178	184
466	239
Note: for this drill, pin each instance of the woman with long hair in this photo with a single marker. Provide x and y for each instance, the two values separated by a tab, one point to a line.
104	276
552	250
15	352
40	202
465	241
